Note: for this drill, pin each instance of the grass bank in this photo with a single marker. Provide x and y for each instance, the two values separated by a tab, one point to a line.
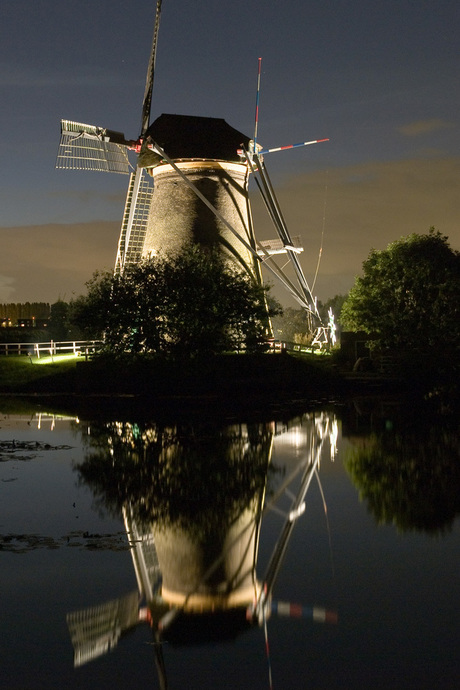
29	375
222	376
227	384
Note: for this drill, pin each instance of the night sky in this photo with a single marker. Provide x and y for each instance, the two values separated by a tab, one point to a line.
381	80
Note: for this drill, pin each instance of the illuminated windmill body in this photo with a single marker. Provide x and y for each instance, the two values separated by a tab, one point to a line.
190	185
205	153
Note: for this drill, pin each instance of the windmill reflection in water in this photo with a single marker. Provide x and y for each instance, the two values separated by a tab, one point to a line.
193	498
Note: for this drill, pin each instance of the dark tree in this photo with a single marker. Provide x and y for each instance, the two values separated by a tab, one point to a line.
409	293
408	301
298	326
182	306
335	303
198	476
292	326
59	326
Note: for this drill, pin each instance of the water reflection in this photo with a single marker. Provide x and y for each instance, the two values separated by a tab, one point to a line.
193	497
405	464
58	555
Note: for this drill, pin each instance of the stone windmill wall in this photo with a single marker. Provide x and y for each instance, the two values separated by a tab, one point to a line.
205	150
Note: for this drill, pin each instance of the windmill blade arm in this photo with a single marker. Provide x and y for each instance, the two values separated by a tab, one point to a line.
88	147
79	129
135	217
147	103
96	630
297	509
117	138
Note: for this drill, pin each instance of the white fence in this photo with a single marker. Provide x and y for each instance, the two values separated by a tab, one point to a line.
51	348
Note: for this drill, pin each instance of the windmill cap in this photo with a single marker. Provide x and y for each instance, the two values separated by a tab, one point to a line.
189	137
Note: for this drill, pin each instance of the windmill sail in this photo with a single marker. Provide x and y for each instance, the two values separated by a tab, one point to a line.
96	630
140	189
134	223
147	102
87	147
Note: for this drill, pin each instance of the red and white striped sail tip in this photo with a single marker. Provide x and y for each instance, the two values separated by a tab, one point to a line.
325	616
292	146
315	613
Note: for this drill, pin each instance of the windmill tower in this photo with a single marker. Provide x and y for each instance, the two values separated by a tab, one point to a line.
205	151
162	210
190	184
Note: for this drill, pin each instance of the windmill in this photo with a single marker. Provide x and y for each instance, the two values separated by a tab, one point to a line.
190	184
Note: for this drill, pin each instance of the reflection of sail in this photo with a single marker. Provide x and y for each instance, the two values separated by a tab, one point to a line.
144	556
321	428
96	630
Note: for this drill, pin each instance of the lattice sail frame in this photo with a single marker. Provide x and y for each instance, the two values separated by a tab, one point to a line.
87	147
134	223
96	630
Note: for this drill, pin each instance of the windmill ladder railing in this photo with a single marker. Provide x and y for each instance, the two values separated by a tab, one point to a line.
51	348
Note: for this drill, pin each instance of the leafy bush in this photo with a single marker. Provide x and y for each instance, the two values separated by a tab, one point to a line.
182	306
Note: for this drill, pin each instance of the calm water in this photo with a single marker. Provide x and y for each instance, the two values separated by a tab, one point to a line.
105	527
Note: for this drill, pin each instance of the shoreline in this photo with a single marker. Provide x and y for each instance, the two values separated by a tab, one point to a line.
228	385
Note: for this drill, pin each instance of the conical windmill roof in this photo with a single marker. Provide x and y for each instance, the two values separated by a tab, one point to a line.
189	136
